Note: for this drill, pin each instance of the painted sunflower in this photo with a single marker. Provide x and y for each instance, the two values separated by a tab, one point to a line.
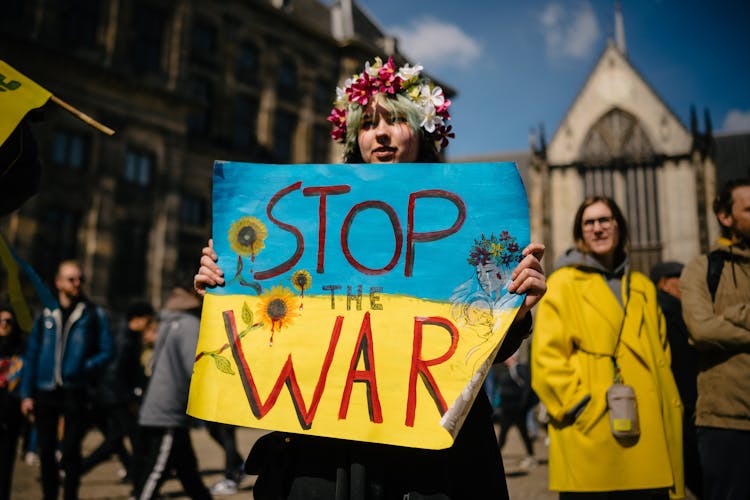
247	236
277	307
301	280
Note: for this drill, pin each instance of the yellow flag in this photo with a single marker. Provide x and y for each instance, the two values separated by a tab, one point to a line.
18	96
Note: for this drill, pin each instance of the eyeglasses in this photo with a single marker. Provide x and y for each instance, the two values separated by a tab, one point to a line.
73	279
604	223
6	321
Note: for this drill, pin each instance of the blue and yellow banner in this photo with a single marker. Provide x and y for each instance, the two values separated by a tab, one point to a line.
363	302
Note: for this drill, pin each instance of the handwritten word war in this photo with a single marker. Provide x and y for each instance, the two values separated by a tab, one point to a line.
363	351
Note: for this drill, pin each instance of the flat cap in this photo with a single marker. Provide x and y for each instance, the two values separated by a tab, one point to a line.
668	269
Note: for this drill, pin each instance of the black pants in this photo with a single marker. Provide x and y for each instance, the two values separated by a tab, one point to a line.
10	429
117	421
615	495
510	415
50	406
690	456
166	448
224	434
725	458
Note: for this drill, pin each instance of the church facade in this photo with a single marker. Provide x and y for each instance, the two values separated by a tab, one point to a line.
619	139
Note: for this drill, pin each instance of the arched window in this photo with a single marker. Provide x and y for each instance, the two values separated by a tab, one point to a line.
149	23
287	83
248	63
616	136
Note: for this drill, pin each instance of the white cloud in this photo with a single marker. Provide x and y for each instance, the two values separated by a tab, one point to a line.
736	121
437	44
570	30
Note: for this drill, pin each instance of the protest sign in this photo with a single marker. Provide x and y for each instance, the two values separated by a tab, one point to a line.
363	302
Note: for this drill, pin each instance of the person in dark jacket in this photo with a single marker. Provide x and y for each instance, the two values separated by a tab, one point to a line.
11	362
516	398
391	128
666	277
119	388
164	425
67	349
717	316
225	435
20	166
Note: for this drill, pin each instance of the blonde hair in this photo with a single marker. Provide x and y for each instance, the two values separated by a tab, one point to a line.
402	108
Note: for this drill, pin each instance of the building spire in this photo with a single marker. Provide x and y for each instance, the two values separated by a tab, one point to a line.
619	29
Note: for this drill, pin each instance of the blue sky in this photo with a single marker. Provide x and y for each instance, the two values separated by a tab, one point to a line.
518	63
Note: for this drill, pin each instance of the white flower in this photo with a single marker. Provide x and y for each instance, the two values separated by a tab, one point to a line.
434	96
373	70
407	72
430	120
341	99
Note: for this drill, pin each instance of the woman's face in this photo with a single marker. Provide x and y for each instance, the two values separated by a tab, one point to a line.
383	139
490	277
6	323
600	230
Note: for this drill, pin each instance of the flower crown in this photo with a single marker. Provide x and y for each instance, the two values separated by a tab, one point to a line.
502	249
386	79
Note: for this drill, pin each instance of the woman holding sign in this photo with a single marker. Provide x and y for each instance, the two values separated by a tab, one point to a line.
391	115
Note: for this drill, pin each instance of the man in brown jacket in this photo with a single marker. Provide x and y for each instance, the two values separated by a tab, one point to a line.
716	308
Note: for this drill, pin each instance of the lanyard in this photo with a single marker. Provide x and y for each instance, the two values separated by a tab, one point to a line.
618	373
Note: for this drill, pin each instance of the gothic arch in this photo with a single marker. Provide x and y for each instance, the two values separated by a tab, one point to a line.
617	135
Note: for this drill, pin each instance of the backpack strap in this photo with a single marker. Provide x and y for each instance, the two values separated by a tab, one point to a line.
716	261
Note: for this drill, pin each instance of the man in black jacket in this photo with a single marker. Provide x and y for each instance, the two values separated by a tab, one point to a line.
119	389
666	277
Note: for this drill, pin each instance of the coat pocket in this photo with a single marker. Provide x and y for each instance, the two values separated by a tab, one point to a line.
594	411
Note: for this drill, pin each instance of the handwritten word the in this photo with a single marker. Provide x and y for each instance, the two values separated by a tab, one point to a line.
374	297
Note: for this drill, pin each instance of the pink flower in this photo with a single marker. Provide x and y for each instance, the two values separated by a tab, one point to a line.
361	91
442	110
390	82
338	120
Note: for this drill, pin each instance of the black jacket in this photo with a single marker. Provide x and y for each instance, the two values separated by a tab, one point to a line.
124	373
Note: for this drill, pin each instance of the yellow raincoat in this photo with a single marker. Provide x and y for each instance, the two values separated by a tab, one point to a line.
575	334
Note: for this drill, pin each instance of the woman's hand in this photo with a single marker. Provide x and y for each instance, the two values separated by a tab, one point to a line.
209	274
27	407
528	277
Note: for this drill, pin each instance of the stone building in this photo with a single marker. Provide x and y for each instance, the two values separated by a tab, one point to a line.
619	138
183	83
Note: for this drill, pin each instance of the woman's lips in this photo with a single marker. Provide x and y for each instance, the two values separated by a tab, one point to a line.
384	153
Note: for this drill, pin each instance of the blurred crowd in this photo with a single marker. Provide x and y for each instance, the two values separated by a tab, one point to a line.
74	374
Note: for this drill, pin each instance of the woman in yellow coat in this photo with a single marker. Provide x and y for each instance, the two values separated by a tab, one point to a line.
592	301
